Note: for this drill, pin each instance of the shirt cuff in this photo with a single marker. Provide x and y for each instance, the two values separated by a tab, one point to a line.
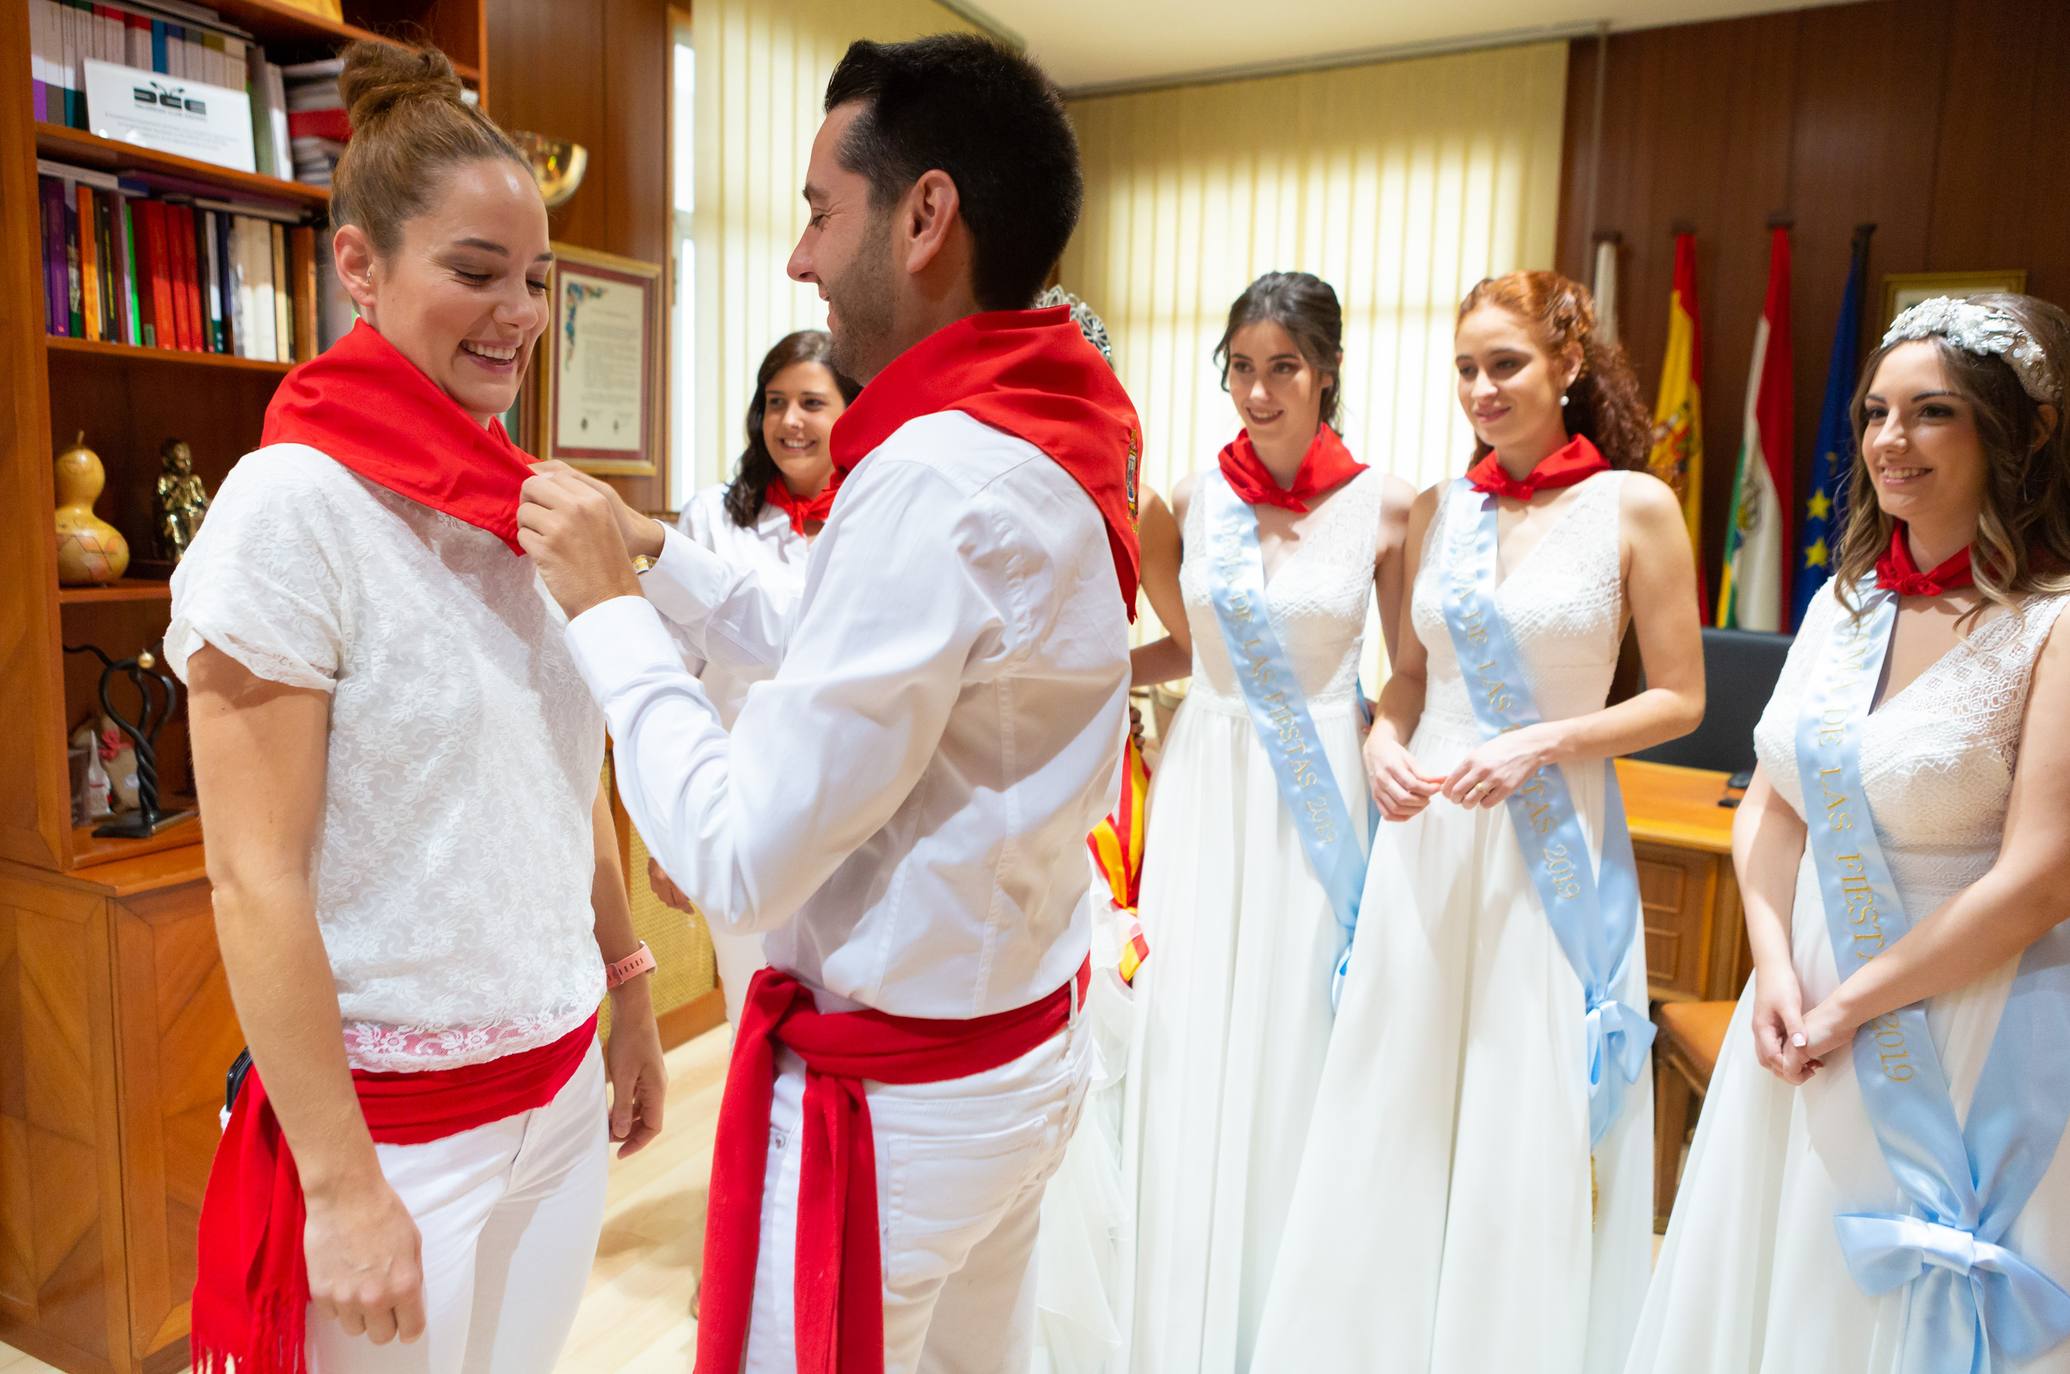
616	642
687	580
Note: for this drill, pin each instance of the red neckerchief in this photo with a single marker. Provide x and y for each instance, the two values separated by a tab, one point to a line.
251	1283
366	405
838	1285
1563	467
1326	464
1032	374
800	508
1896	572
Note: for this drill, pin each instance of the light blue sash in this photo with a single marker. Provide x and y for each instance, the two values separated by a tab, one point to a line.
1279	712
1973	1300
1593	910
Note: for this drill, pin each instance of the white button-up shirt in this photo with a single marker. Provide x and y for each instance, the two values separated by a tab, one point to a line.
904	805
776	554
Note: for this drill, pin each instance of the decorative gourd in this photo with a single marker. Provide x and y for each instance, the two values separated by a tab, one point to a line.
90	550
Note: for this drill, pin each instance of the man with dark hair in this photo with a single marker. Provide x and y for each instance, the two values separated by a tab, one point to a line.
902	809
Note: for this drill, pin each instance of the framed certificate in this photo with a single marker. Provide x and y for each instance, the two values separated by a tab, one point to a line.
602	402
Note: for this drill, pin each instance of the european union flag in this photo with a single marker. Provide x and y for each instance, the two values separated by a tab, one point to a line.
1825	513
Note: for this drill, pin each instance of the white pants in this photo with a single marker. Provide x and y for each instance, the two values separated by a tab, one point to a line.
509	1214
961	1167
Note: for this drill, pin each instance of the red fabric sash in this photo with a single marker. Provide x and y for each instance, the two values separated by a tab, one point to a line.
1326	464
251	1285
367	406
801	508
1563	467
839	1292
1896	572
1032	374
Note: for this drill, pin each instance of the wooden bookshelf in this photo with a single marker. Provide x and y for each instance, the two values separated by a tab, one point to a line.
128	589
83	149
115	936
101	350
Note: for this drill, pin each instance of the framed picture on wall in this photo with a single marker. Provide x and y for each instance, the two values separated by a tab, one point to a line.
1903	290
601	395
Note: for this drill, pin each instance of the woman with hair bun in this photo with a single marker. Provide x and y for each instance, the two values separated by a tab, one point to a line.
1258	822
416	882
1476	1191
1878	1183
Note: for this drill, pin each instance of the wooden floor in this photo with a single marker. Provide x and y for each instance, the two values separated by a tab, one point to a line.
636	1316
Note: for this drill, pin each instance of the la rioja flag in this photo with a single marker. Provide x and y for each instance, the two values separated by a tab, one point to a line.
1755	588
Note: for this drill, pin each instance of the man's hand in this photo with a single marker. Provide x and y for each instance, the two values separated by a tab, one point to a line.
643	533
665	888
571	530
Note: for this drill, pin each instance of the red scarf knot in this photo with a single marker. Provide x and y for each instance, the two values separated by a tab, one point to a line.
1896	572
801	509
838	1294
1563	467
1325	465
364	404
1031	374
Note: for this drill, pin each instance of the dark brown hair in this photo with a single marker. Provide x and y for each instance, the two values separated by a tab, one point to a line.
757	467
2023	531
1306	307
1603	403
409	125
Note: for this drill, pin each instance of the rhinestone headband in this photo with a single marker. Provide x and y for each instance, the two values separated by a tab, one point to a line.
1089	324
1982	329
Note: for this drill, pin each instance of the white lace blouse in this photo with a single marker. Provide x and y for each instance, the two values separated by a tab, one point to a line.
453	873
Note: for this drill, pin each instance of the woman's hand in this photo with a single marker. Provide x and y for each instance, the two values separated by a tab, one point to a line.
1779	1034
1498	767
1399	789
633	1062
1829	1028
665	888
366	1263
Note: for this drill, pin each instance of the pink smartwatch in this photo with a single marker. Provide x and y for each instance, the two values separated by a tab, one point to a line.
631	966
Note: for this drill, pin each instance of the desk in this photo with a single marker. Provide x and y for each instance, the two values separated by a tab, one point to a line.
1696	944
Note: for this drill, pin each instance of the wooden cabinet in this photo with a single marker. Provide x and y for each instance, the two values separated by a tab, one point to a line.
1689	895
115	1030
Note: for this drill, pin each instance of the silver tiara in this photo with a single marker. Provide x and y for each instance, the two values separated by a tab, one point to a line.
1982	329
1089	324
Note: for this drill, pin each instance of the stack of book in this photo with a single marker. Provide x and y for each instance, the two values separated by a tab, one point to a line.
317	128
173	38
126	262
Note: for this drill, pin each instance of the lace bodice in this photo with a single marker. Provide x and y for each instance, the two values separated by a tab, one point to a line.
453	873
1937	757
1564	603
1317	596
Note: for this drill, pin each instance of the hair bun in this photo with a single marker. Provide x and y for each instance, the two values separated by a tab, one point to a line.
379	77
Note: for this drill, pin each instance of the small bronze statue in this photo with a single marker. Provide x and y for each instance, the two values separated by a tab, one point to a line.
182	500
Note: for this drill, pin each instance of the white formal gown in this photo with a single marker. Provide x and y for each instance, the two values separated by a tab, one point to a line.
1442	1218
1233	1009
1751	1277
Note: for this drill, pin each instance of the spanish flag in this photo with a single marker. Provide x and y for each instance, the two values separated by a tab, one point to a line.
1755	587
1677	456
1117	849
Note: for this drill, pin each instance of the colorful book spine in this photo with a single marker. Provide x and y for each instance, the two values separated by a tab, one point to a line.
162	310
226	286
179	235
56	302
283	319
89	261
302	267
126	255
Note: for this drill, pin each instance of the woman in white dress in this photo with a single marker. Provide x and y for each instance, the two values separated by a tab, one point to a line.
1964	770
1233	1002
765	520
1448	1210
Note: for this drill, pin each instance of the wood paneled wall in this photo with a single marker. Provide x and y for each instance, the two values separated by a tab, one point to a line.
1941	121
596	72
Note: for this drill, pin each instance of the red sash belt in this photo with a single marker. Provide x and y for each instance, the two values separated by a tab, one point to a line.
839	1293
251	1289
